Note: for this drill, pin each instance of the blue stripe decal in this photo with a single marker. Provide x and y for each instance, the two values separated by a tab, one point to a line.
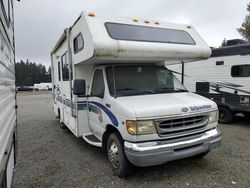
82	105
108	112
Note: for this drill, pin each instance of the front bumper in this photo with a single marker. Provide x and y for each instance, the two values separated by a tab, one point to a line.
159	152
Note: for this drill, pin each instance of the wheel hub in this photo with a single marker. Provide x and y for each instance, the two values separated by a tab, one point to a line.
113	155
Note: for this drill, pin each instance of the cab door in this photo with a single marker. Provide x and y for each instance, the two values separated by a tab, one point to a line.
96	104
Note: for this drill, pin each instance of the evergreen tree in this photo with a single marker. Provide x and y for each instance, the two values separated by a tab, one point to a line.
224	42
244	30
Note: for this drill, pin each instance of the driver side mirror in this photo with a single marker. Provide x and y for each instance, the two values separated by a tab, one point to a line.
79	87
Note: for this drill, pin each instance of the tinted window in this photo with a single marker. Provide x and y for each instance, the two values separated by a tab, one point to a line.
219	62
65	67
240	71
78	43
148	34
141	80
59	71
98	84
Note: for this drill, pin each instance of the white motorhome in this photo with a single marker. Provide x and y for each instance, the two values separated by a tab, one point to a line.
7	94
43	86
111	88
224	78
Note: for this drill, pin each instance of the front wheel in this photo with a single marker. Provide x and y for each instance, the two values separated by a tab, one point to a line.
247	115
225	115
119	163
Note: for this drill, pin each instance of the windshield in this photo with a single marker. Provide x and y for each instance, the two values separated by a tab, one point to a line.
141	80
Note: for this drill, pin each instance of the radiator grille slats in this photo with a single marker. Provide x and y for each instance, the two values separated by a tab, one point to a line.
181	125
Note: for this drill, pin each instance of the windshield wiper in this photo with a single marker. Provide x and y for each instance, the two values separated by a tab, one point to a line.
126	89
180	90
135	91
170	90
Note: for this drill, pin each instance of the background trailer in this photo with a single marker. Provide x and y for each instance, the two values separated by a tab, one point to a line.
8	133
224	78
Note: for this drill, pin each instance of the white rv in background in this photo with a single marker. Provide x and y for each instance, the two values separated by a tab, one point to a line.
43	86
111	88
7	94
224	78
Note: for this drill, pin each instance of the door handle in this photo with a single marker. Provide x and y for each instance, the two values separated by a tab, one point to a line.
108	105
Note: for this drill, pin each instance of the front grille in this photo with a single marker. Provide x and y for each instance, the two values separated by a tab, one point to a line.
181	126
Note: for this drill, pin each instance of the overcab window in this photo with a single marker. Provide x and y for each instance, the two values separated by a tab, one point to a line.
148	34
78	43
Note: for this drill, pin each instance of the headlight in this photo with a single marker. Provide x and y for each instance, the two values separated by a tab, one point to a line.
140	127
213	117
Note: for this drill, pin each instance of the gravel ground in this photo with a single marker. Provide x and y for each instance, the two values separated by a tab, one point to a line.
51	157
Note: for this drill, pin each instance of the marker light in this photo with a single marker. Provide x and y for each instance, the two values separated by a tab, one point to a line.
135	20
91	14
146	21
189	26
157	23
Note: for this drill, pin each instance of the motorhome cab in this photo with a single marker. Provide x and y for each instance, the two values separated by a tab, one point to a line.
112	89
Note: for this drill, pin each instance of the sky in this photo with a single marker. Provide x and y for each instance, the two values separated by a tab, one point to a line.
40	23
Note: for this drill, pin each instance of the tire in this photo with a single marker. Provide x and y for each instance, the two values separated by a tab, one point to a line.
120	165
247	115
61	124
225	115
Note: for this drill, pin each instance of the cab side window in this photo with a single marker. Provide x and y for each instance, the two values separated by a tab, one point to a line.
98	84
65	68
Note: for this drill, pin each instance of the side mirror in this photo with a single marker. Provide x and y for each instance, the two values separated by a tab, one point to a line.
79	87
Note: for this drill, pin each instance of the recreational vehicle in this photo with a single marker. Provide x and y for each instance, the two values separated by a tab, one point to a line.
111	88
224	78
43	86
7	94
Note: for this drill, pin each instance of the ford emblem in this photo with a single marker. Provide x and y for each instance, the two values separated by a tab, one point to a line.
184	109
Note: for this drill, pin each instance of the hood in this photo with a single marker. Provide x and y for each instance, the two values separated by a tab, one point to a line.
146	106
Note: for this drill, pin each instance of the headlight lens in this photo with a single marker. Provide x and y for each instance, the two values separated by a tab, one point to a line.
140	127
213	117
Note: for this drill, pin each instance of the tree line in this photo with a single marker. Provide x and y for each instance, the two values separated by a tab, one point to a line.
28	73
